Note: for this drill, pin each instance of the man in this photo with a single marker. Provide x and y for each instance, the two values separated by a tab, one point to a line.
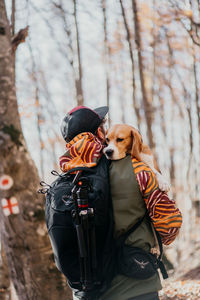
83	130
134	189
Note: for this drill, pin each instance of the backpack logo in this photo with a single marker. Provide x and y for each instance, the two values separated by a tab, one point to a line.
142	264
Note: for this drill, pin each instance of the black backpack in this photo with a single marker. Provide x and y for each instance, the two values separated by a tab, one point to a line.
94	270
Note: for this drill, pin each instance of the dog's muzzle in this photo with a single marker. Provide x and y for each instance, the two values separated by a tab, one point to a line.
109	153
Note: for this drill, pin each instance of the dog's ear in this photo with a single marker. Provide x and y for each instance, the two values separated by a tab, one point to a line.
136	143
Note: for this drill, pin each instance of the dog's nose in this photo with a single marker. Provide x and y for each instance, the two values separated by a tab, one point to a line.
109	152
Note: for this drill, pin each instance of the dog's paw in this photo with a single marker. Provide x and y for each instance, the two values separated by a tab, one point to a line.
163	184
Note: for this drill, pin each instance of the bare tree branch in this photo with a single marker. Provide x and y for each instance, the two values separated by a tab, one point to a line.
19	38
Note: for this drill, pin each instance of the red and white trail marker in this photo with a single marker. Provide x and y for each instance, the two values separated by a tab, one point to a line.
6	182
10	206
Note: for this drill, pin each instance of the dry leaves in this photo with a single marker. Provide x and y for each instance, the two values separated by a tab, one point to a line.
183	290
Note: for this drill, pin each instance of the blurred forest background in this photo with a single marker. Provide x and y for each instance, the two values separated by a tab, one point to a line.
142	59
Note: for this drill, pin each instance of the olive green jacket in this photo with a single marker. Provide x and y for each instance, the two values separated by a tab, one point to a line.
128	208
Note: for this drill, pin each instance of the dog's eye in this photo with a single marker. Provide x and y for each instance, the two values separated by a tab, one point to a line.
107	140
119	140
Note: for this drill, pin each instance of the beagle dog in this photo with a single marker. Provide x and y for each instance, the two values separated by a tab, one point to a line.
122	139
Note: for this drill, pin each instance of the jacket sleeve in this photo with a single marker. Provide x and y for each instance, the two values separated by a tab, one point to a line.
166	217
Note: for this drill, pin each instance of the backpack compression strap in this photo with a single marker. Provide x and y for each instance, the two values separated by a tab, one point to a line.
46	186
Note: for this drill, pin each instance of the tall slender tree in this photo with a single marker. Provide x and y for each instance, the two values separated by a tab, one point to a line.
38	109
24	236
147	104
106	56
79	78
130	47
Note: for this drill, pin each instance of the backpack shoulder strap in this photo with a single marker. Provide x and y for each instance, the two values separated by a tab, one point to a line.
124	236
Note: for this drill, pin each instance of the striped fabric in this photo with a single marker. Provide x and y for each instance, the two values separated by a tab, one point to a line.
166	217
83	151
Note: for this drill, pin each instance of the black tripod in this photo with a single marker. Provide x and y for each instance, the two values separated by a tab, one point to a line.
83	217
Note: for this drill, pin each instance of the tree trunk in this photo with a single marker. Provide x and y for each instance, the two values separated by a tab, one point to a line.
197	102
13	32
24	235
148	109
38	108
188	104
78	81
154	54
106	55
4	278
128	38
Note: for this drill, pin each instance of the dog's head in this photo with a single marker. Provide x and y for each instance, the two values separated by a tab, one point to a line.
122	139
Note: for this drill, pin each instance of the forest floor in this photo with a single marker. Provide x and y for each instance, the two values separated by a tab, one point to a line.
184	283
185	287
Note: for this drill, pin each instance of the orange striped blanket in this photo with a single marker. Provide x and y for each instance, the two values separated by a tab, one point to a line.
83	151
166	217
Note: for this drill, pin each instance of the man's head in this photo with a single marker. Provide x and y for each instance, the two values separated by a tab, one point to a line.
83	119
